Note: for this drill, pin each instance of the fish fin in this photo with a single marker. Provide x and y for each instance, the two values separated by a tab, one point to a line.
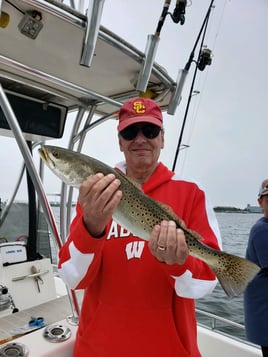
171	213
180	223
135	183
195	234
234	273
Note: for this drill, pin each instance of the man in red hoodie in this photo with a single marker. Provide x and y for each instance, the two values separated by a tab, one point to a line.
138	296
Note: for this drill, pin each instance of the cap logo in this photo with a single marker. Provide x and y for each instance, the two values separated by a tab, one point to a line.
139	107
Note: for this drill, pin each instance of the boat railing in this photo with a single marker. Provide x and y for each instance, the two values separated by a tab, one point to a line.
223	326
215	318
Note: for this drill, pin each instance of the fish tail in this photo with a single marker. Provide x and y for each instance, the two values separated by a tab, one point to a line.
234	273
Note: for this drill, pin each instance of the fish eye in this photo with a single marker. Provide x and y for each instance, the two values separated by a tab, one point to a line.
55	154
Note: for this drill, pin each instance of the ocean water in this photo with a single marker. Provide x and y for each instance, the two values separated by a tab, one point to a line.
234	229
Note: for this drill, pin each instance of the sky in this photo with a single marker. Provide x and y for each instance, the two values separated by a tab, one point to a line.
226	127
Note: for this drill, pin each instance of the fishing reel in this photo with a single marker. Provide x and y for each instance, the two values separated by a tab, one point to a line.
204	59
6	300
178	15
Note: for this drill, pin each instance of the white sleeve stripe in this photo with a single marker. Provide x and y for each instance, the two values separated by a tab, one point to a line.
73	270
188	287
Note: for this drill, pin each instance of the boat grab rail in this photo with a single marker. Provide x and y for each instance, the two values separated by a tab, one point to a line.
33	275
214	318
213	327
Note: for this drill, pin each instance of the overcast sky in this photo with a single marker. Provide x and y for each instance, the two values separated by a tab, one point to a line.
227	124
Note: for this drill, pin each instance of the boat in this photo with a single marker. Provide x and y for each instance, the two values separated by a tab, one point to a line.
57	61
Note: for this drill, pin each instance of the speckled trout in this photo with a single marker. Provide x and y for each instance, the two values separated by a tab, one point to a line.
139	213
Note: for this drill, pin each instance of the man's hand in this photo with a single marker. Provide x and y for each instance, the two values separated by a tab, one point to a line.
99	196
167	243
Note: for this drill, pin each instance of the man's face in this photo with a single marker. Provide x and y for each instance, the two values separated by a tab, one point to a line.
141	151
263	202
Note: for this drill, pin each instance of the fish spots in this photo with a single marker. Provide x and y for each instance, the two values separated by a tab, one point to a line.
140	213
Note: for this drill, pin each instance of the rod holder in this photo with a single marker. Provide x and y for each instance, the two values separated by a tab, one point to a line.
4	17
176	97
94	13
148	61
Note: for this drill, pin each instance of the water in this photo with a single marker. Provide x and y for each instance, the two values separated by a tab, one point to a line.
235	229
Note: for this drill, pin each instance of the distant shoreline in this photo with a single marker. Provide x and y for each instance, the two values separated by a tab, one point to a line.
226	209
248	209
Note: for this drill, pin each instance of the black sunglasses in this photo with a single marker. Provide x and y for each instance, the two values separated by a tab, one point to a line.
150	131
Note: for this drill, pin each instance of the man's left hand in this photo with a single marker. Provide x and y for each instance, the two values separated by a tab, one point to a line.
167	243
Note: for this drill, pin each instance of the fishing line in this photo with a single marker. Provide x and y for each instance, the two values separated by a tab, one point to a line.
200	96
187	67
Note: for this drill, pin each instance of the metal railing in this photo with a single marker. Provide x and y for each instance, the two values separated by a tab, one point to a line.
223	326
215	318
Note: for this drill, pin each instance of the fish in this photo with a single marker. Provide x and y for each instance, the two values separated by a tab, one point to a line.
139	213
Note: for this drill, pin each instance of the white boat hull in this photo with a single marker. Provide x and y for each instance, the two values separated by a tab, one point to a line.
214	344
211	344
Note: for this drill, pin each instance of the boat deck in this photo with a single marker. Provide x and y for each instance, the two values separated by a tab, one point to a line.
59	309
52	311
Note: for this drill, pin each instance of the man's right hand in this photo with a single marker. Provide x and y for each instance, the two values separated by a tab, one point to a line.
99	196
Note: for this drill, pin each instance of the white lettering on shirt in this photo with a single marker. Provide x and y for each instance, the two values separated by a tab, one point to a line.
117	231
134	249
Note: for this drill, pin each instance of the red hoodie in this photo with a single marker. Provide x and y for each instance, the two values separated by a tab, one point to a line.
135	306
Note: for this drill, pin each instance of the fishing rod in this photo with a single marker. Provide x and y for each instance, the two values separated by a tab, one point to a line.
178	16
204	59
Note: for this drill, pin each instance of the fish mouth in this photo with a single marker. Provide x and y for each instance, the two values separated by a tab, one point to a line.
45	156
